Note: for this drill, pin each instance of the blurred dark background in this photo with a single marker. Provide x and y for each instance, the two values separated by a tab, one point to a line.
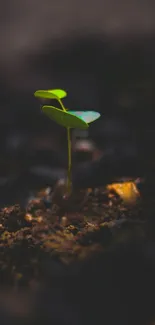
102	53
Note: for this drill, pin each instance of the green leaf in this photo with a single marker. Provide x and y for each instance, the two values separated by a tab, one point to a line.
45	94
64	118
60	93
87	116
51	94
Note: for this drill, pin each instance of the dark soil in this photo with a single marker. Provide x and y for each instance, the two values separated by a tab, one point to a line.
89	259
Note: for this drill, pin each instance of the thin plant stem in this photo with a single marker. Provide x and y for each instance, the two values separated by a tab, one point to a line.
62	105
69	153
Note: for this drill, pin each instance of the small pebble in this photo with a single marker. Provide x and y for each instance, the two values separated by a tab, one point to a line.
39	219
28	217
64	221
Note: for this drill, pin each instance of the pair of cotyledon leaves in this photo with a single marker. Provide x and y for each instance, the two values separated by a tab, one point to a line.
67	118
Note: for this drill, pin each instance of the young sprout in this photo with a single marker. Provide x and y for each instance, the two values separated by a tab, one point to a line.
67	118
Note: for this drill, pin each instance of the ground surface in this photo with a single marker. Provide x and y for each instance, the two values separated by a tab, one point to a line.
66	230
76	238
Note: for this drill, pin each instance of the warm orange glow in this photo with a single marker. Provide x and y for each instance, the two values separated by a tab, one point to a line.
127	191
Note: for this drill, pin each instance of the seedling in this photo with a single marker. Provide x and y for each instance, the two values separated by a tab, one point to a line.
67	118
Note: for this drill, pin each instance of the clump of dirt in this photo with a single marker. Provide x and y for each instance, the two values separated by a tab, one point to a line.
66	231
86	258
